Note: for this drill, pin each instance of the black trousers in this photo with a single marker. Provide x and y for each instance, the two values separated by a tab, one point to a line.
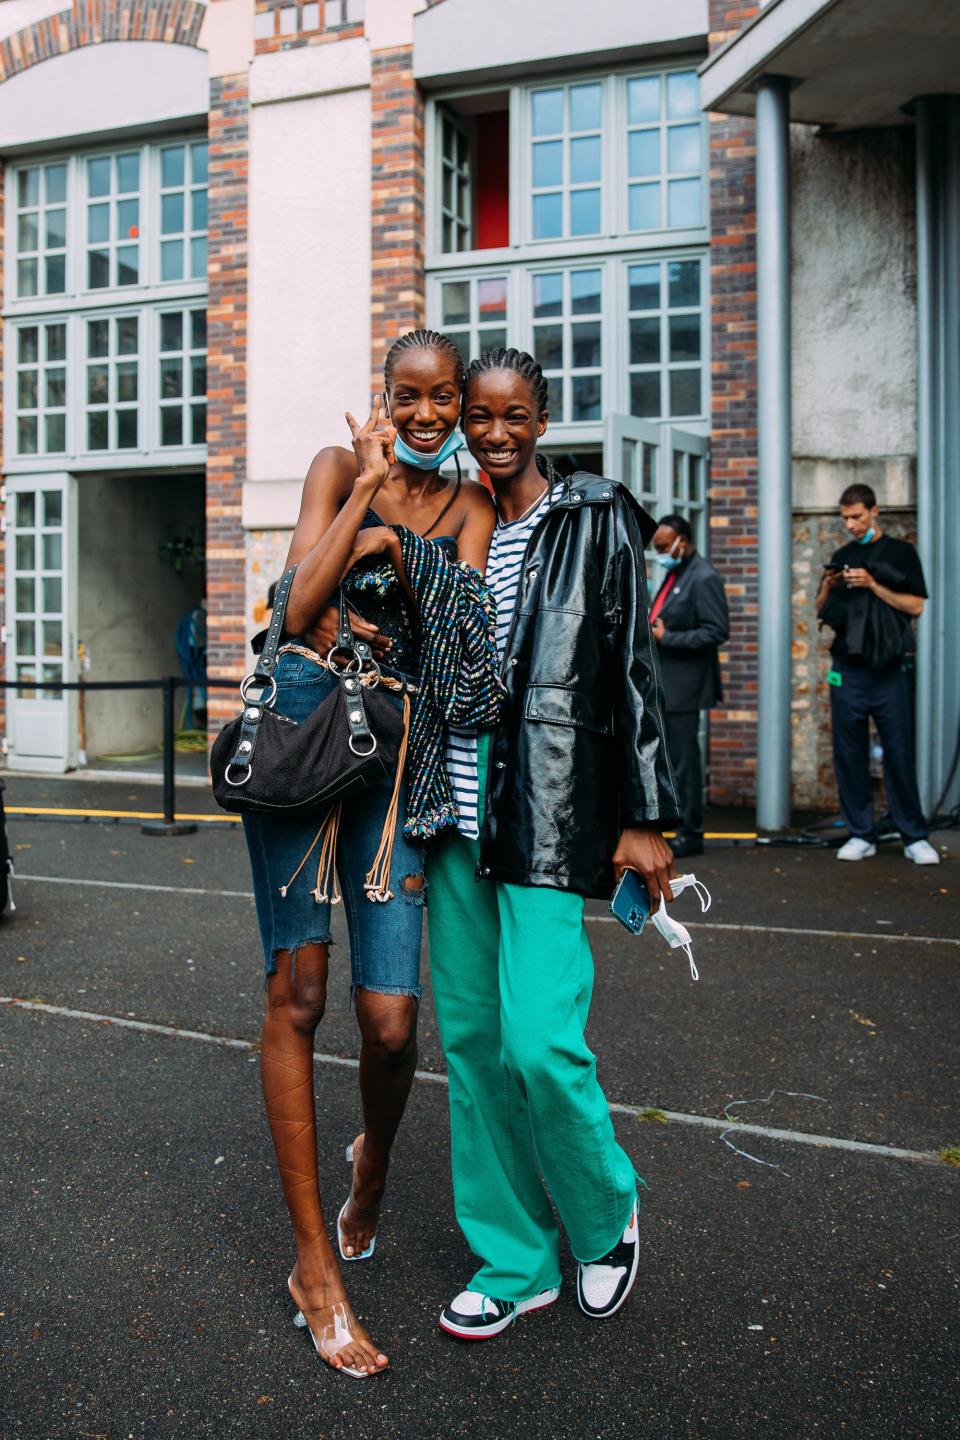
684	742
884	696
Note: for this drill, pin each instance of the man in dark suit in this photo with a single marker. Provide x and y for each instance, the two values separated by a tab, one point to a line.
689	620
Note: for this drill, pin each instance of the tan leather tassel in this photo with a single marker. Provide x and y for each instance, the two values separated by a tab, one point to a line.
378	876
328	855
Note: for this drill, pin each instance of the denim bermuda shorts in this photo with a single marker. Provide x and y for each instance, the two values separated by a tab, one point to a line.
384	935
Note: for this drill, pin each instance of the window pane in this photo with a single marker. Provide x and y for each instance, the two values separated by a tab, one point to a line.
198	210
171	166
56	276
585	159
27	277
171	331
684	337
128	264
645	395
198	161
198	327
127	330
98	269
25	595
643	153
547	112
27	435
171	425
171	213
198	258
128	174
27	342
97	430
547	216
128	219
126	429
456	302
492	299
98	337
27	390
643	99
548	346
683	147
585	292
547	163
198	424
51	637
127	381
586	344
27	232
26	515
684	202
98	223
684	392
585	212
98	176
26	672
56	342
547	295
55	433
683	94
56	388
52	591
56	183
492	339
586	397
171	260
52	507
25	635
56	229
684	280
97	385
171	379
555	397
52	552
585	107
198	375
26	552
645	341
644	207
28	192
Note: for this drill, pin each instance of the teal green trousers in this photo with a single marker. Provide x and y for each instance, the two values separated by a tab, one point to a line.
512	981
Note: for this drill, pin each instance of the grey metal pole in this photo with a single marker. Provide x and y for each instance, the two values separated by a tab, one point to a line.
773	452
927	446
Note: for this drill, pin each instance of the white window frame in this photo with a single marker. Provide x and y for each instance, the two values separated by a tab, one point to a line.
186	354
42	365
79	303
42	251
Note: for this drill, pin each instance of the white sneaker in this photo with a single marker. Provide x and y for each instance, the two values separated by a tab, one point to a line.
603	1285
921	852
857	849
472	1316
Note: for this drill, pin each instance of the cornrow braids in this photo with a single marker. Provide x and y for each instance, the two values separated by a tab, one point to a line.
423	340
518	361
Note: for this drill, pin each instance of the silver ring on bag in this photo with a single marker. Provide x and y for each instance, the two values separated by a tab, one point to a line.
226	775
252	680
363	753
352	667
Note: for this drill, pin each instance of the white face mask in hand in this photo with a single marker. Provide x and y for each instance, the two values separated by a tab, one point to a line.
676	935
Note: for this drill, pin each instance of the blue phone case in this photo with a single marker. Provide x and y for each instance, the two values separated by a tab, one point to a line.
631	902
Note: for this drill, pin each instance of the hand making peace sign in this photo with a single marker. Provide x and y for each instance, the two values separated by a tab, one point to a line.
373	443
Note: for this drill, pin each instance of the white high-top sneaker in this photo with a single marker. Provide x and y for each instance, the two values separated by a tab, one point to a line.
921	852
856	849
603	1285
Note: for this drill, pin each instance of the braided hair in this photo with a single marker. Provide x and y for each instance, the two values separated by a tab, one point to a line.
423	340
523	364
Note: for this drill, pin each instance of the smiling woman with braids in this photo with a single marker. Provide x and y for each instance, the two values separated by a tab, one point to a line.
382	522
579	790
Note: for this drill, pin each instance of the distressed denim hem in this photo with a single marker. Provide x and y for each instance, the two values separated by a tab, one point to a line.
270	966
414	991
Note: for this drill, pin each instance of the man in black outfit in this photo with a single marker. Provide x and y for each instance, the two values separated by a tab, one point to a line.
871	590
689	620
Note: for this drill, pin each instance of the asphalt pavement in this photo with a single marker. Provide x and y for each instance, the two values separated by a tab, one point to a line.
143	1232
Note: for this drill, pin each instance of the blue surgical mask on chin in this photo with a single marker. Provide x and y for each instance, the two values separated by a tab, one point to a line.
428	460
669	562
865	539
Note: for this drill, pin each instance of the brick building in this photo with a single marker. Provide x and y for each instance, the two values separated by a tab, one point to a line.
232	209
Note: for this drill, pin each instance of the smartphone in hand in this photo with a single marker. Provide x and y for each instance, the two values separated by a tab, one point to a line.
631	902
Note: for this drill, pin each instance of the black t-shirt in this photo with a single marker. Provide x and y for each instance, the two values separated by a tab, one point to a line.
896	564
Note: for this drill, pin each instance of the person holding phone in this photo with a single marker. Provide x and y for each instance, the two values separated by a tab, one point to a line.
573	787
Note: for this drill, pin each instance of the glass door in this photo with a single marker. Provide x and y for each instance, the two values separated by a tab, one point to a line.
41	724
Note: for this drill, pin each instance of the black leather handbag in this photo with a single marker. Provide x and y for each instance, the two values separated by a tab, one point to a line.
267	764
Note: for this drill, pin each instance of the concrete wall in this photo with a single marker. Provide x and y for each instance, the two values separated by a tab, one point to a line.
130	600
854	384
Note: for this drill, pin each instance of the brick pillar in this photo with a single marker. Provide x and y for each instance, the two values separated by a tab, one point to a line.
733	442
226	387
397	287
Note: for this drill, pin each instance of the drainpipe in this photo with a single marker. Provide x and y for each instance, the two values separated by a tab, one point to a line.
775	491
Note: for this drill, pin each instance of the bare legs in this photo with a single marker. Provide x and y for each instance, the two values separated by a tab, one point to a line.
296	997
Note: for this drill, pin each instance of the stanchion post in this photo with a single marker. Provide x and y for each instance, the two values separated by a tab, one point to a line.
169	825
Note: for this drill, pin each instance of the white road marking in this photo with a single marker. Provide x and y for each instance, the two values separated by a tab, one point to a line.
704	1122
591	919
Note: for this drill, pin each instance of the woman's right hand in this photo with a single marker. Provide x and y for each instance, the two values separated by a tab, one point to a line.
373	446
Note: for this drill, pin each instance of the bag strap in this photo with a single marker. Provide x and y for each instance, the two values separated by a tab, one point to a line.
267	659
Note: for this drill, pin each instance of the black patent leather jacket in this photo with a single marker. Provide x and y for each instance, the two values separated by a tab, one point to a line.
580	751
